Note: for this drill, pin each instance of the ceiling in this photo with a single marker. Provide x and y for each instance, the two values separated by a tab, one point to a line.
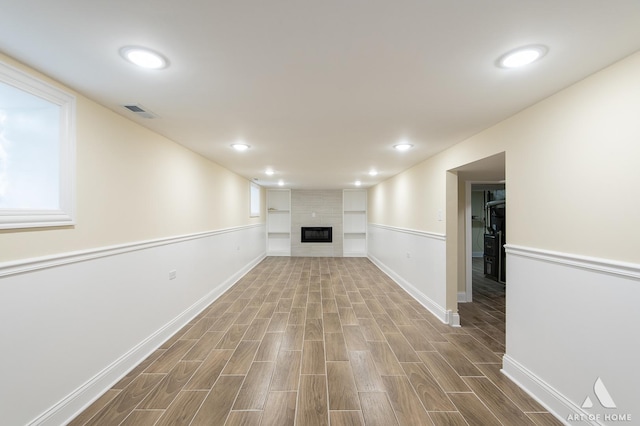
321	90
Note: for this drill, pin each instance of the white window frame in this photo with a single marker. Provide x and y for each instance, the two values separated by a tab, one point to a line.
65	215
254	200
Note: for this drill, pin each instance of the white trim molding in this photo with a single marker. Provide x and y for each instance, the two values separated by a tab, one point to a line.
135	300
606	266
415	260
581	310
434	235
44	262
62	213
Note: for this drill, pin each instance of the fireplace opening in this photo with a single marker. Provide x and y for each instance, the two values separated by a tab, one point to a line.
316	234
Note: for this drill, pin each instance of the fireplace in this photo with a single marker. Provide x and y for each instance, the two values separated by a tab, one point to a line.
316	234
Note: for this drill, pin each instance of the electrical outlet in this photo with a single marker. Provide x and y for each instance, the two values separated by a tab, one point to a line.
439	215
408	255
173	274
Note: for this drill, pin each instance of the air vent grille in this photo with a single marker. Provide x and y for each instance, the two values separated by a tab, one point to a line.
140	110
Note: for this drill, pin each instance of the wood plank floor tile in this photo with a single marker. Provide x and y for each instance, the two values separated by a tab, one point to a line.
255	388
198	329
376	409
406	404
232	337
348	316
346	418
331	323
354	338
292	338
223	322
364	370
501	406
510	389
269	347
343	394
280	409
142	418
182	410
401	347
208	372
361	310
427	388
444	374
312	408
217	405
170	357
313	359
473	410
243	418
97	405
544	419
267	310
304	337
385	323
170	386
241	359
205	344
287	371
385	359
448	418
123	404
472	348
430	333
256	329
278	322
297	316
313	329
370	330
416	339
456	359
335	347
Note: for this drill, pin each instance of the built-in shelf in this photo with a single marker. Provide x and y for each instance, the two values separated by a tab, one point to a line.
354	219
279	222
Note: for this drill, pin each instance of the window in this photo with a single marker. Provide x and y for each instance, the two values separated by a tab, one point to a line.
37	152
255	200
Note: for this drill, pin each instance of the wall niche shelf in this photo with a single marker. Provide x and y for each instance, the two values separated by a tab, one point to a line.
354	219
279	222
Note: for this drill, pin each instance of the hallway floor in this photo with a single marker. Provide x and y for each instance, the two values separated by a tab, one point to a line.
323	341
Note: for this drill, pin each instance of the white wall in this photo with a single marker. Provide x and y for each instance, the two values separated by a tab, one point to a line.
72	325
81	305
416	261
572	181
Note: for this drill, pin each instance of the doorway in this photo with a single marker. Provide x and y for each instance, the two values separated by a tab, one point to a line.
480	302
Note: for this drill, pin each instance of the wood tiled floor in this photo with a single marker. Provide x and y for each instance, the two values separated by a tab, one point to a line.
324	341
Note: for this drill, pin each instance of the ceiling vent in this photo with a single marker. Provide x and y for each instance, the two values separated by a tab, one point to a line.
139	110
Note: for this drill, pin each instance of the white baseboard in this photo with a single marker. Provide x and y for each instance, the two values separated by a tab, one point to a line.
91	301
583	311
437	310
113	373
543	393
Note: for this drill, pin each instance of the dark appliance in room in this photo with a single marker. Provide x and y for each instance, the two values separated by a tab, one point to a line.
494	241
316	234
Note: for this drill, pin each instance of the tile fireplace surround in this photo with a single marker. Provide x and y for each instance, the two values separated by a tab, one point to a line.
316	208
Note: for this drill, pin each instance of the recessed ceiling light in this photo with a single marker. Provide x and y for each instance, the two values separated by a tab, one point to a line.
358	183
403	146
373	173
240	146
143	57
281	182
522	56
269	172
